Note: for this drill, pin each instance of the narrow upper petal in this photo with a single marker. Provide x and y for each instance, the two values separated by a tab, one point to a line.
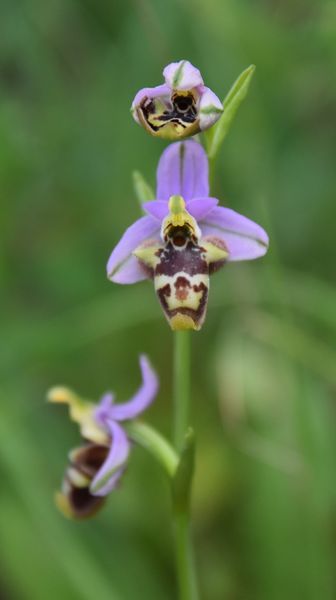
183	171
210	109
200	207
182	75
143	397
149	92
122	266
157	209
102	412
244	239
111	470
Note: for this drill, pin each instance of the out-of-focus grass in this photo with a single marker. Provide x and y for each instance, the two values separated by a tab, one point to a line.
264	364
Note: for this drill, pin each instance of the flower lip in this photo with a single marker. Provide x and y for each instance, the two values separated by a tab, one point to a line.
75	500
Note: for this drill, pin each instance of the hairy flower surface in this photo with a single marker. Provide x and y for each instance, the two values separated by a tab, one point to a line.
184	238
180	107
96	467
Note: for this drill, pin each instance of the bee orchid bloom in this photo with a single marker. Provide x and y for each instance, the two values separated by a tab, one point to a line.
180	107
184	238
96	467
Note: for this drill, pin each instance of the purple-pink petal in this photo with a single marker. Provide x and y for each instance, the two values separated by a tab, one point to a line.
149	92
183	171
157	209
132	271
142	398
101	413
122	266
200	207
111	470
244	238
210	108
182	75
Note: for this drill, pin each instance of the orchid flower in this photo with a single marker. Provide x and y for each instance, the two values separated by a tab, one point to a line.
184	238
96	467
180	107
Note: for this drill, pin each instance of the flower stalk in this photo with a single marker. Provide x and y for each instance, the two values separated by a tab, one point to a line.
150	439
187	582
184	444
181	386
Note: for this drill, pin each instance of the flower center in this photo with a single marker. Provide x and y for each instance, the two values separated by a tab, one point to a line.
179	227
178	111
184	107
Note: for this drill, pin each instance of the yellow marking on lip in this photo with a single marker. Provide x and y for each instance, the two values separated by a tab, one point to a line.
63	505
181	322
147	253
214	251
77	478
192	299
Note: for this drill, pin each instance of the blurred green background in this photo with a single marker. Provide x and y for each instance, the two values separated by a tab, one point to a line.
264	365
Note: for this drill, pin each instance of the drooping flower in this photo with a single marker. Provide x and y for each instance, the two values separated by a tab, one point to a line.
184	238
180	107
97	465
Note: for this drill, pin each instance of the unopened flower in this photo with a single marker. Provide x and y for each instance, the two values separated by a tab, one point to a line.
180	107
97	465
184	238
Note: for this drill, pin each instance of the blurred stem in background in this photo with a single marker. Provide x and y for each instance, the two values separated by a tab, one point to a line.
185	565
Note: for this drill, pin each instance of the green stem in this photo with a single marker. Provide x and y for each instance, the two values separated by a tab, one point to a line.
185	567
155	443
185	558
181	387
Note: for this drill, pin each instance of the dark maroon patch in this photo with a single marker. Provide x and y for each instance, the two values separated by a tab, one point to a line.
182	282
201	287
149	272
188	260
182	287
87	461
89	458
83	504
166	290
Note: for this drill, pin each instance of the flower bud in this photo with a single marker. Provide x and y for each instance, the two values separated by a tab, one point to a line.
181	107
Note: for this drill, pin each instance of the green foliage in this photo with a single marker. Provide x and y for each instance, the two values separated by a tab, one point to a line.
217	134
143	191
